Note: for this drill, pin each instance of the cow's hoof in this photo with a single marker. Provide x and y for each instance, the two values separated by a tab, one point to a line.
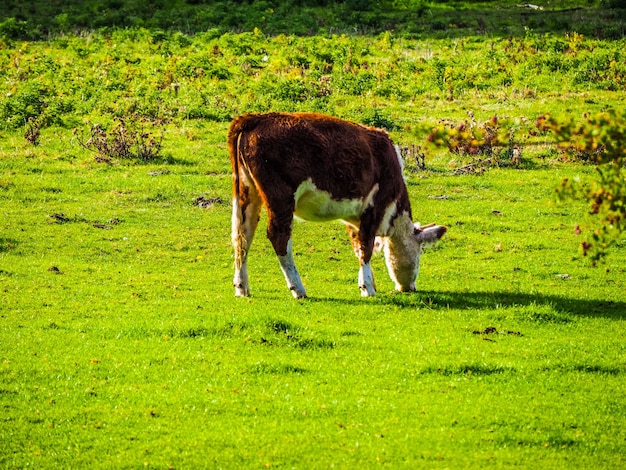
298	294
239	292
365	292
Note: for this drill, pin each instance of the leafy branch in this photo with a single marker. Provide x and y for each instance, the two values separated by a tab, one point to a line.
599	139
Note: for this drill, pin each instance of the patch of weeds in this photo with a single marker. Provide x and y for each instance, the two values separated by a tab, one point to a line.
552	440
492	330
61	218
33	131
599	369
52	190
467	369
488	145
146	332
274	369
313	343
351	333
228	329
546	317
206	203
587	369
126	139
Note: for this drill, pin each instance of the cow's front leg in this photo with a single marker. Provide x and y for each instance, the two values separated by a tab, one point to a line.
288	266
279	233
366	280
363	250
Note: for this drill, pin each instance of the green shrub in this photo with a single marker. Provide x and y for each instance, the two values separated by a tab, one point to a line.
29	101
11	28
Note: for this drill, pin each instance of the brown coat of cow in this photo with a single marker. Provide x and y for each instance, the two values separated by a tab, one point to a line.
322	168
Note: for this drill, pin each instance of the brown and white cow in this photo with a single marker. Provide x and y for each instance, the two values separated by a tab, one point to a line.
321	168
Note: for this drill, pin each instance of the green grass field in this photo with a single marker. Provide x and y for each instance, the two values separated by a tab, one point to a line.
122	344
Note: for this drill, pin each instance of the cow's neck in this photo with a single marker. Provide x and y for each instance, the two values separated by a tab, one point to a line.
401	231
398	218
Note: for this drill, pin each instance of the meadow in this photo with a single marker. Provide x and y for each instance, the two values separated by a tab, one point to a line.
122	344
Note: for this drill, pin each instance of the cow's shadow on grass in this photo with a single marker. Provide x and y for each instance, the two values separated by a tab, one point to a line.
533	304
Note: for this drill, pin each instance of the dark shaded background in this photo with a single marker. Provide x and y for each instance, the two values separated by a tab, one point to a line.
38	19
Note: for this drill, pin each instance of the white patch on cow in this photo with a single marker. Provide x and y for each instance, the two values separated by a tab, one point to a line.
366	281
385	226
288	266
317	205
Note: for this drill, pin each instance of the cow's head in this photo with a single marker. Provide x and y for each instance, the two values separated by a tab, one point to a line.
403	250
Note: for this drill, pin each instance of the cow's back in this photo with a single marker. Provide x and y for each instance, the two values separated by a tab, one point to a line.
339	157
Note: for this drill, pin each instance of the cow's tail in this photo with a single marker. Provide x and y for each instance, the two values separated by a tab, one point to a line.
235	147
236	139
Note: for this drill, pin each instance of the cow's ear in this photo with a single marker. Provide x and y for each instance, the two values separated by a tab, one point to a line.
429	234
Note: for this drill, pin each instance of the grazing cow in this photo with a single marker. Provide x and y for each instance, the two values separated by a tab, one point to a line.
321	168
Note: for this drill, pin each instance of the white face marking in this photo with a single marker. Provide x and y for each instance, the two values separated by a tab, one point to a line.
316	205
403	249
402	253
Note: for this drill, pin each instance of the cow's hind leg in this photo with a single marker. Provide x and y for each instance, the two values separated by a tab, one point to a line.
363	249
279	231
246	209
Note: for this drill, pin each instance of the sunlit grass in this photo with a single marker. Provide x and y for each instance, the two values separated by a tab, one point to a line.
121	342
